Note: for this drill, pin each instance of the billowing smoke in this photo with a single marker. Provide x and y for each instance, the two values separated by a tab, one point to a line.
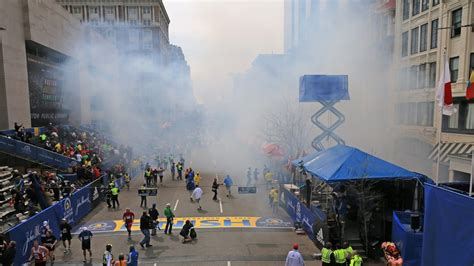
144	100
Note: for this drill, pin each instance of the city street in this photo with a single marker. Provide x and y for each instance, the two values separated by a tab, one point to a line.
221	243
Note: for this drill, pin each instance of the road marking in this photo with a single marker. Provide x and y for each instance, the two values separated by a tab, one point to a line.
154	264
220	205
176	205
228	263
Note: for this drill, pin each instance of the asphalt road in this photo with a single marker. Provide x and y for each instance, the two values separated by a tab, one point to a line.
233	231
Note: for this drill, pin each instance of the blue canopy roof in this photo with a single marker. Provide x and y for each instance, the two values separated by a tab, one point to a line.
304	159
342	163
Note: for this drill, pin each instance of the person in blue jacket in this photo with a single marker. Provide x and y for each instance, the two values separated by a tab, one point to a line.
228	185
132	259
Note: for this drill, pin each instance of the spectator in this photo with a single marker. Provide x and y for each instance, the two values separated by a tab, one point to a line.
9	254
121	260
185	231
294	257
153	212
108	257
145	225
169	218
132	259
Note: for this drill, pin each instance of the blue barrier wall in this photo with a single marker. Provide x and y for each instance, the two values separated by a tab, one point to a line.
448	228
408	242
34	153
313	223
73	209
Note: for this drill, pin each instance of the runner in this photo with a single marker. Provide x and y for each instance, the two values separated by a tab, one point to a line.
197	193
128	217
50	243
39	254
65	228
108	257
44	228
127	180
85	236
228	185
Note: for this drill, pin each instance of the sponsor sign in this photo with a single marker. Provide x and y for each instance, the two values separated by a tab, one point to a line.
73	209
30	152
148	192
199	222
311	222
247	190
49	94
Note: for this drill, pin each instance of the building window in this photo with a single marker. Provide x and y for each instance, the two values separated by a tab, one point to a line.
434	34
146	22
109	10
414	41
425	113
146	10
435	2
422	76
416	7
132	11
471	63
423	37
469	121
453	120
454	68
109	21
425	4
456	23
406	9
411	114
133	22
413	77
93	10
432	75
405	44
77	10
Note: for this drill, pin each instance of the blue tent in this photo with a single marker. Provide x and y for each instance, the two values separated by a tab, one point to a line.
304	159
343	163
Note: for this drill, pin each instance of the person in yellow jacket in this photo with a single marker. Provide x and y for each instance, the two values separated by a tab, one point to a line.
327	255
197	179
340	256
348	250
268	179
356	260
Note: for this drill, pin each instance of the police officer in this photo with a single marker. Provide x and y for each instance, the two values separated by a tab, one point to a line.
115	193
356	260
327	256
340	256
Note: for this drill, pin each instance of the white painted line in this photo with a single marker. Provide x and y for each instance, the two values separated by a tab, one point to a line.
220	205
154	264
176	205
228	263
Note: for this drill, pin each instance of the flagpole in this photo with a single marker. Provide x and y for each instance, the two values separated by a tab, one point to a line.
440	120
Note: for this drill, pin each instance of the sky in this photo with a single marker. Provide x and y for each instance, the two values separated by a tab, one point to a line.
223	37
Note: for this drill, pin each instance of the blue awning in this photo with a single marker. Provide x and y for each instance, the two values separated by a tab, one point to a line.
343	163
304	159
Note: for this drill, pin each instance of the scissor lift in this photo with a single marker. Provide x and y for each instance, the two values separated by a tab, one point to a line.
327	90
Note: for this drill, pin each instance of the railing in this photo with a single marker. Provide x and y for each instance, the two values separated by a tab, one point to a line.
73	209
34	153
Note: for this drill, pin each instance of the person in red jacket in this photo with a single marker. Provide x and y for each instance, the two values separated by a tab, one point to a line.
128	217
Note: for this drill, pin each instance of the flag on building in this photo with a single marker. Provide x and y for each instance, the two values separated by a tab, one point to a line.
470	87
444	95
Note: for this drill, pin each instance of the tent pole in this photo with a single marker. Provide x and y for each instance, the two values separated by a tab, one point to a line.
365	219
